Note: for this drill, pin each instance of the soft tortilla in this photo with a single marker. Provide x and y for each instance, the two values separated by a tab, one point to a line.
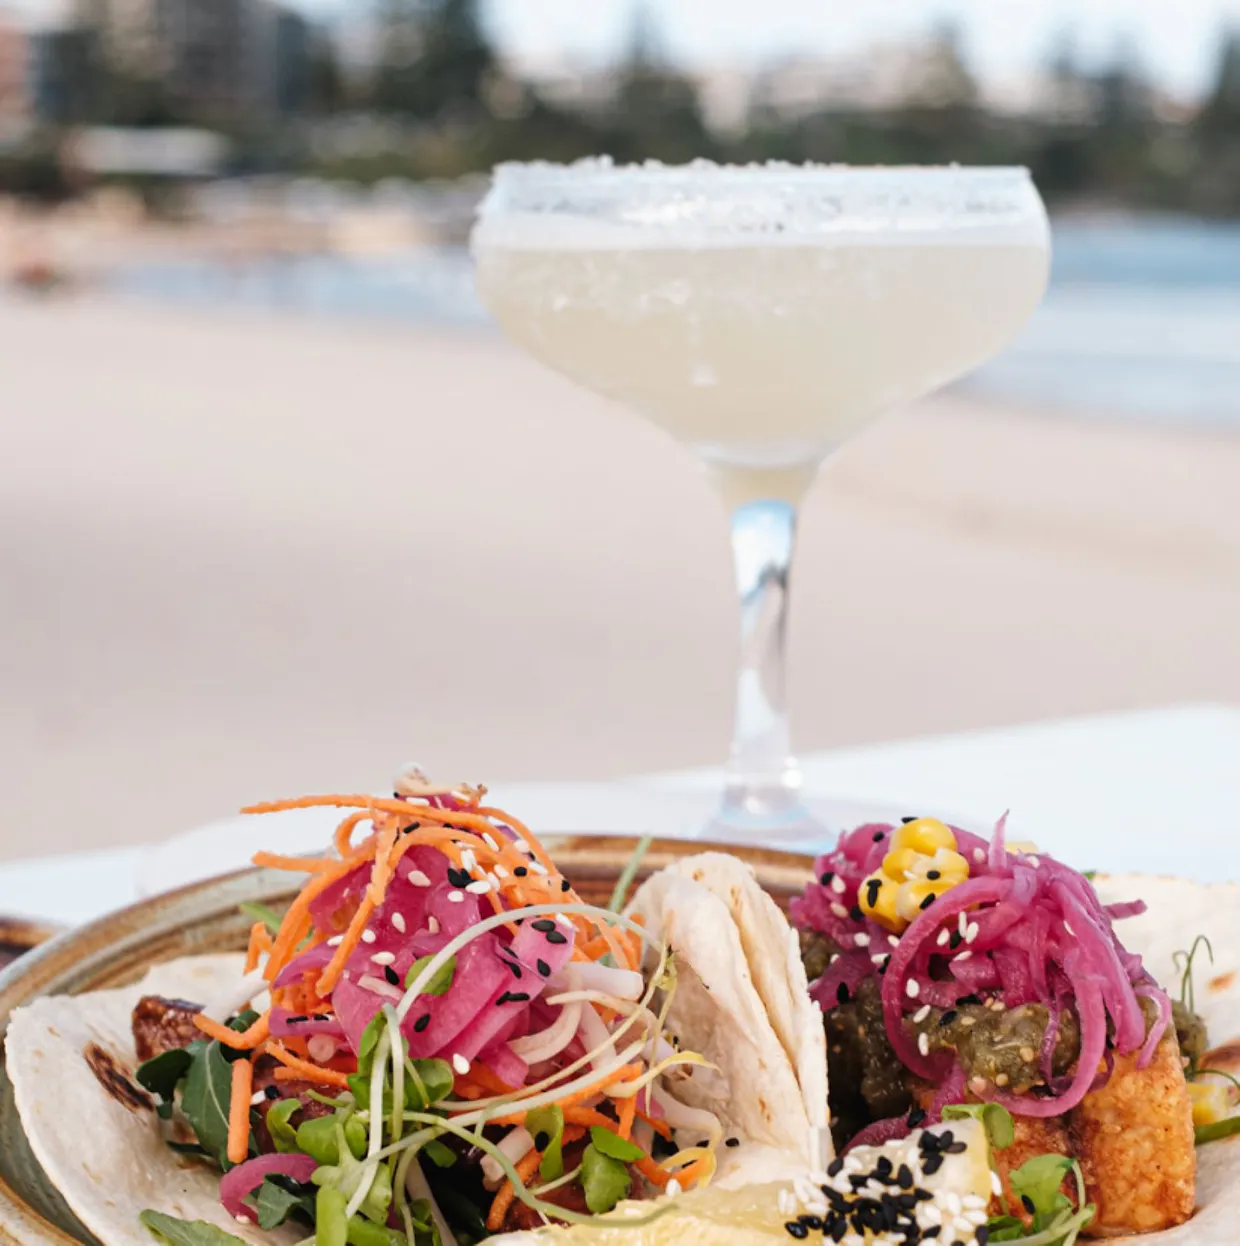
773	954
718	1011
102	1149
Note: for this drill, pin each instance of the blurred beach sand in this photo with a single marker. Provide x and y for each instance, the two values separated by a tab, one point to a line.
244	556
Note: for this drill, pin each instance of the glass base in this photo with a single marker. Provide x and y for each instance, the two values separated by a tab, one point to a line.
768	816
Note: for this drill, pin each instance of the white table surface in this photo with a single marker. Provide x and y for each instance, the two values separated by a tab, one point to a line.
1154	790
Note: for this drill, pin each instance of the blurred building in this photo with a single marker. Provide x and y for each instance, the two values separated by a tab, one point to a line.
61	68
15	86
292	50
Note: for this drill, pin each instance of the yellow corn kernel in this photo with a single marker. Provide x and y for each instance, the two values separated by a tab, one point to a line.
924	835
882	891
900	862
911	899
945	865
1210	1101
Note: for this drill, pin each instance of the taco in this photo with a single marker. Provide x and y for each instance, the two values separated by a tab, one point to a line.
955	973
437	1042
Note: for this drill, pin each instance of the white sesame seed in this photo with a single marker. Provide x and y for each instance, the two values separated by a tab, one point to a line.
368	936
1069	929
879	958
963	955
456	897
912	989
383	958
243	1220
539	868
995	1183
398	922
521	846
963	923
468	860
921	1014
838	885
975	1216
257	1097
893	940
489	840
972	1202
979	855
862	939
335	941
418	879
786	1205
1034	861
672	1188
432	924
951	1200
838	909
944	935
479	888
923	1043
500	872
971	933
931	1215
460	1064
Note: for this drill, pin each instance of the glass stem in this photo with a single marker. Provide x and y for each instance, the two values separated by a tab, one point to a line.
763	782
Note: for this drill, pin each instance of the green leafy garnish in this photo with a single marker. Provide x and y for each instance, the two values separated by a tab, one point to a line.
1056	1221
440	983
1216	1130
262	913
547	1127
275	1202
187	1232
347	1172
439	1155
1184	962
614	1146
366	1048
331	1225
278	1124
604	1180
162	1073
427	1082
621	890
320	1138
997	1120
204	1100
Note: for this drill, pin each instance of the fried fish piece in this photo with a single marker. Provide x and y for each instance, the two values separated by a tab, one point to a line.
1134	1139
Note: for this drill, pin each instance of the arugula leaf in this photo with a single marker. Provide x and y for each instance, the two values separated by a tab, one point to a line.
275	1201
279	1125
204	1100
1216	1130
614	1146
161	1074
186	1232
547	1127
440	983
604	1180
263	913
997	1120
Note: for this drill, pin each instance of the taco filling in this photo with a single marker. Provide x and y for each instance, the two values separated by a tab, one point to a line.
954	970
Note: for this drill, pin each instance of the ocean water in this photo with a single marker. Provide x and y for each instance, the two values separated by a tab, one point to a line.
1141	321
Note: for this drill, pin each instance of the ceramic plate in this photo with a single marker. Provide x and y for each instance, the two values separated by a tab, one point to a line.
204	917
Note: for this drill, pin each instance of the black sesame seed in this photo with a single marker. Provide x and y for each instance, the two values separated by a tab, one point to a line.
811	1222
982	1235
565	885
835	1167
519	997
554	936
520	871
797	1229
931	1164
503	999
946	1138
545	924
1028	1204
927	902
934	875
543	968
321	1016
732	1142
704	1143
926	1234
271	1092
904	1177
391	975
872	887
857	1180
297	1019
970	999
838	1230
908	818
541	1141
409	830
516	969
826	878
956	940
458	878
915	1117
422	1022
841	993
878	836
882	969
948	1017
856	914
883	1166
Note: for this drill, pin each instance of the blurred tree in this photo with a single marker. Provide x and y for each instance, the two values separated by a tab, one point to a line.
327	88
944	80
1221	112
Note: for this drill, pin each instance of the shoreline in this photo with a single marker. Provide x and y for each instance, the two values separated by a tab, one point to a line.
250	555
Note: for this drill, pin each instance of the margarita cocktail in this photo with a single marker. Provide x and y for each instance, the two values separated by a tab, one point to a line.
761	315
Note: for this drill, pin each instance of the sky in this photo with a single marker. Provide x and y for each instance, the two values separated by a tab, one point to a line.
1176	39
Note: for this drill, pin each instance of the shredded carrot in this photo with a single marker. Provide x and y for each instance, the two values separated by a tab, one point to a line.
243	1041
661	1127
295	865
526	1168
385	862
652	1172
260	942
239	1111
692	1173
303	1069
588	1116
343	839
489	1081
349	940
627	1111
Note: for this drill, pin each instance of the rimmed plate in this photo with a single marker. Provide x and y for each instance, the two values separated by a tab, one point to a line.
204	917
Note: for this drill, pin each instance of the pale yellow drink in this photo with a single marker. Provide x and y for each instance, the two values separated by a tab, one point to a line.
764	357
